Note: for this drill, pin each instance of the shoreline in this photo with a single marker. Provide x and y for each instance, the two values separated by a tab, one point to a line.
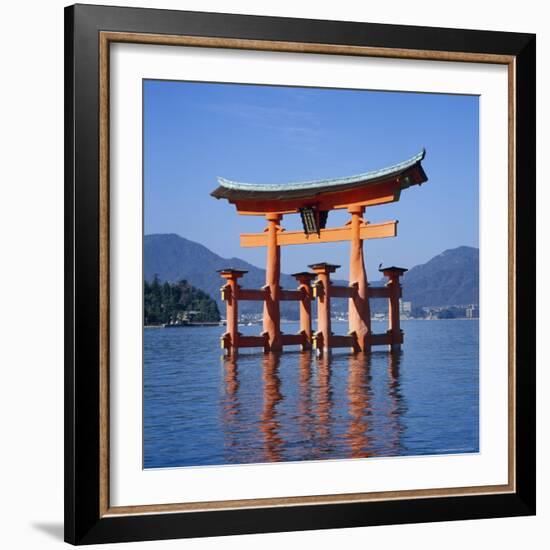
287	321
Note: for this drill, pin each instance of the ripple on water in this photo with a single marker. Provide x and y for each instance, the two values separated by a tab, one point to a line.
203	409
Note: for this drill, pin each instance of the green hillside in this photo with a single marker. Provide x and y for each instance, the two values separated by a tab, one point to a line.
173	302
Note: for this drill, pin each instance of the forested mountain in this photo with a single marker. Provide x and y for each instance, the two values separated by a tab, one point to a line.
450	278
177	302
173	258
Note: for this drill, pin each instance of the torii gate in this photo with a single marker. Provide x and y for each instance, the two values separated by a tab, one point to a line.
313	200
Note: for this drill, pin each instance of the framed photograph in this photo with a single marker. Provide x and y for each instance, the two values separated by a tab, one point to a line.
299	275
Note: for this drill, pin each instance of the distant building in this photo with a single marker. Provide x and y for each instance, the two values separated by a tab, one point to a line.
405	308
472	312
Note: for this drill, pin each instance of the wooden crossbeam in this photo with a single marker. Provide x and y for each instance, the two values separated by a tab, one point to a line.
252	294
252	341
291	295
379	292
343	291
341	341
293	339
285	238
369	195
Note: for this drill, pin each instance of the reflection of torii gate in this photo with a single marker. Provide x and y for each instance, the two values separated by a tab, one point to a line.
314	200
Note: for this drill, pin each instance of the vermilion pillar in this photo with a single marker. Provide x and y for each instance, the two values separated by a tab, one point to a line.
272	315
230	294
304	285
394	273
359	307
322	290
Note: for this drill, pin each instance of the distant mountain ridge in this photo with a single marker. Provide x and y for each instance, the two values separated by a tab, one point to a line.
174	258
450	278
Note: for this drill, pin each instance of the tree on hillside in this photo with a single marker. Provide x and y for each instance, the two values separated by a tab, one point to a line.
169	303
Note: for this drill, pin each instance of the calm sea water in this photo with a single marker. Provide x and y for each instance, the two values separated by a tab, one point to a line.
203	409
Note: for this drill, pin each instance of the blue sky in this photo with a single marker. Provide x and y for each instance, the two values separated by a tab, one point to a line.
194	132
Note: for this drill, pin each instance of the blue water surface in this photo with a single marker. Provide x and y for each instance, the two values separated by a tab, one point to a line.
203	409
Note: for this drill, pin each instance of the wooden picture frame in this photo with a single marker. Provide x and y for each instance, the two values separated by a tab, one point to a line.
89	32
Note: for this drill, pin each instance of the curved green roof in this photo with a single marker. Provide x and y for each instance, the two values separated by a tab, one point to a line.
236	189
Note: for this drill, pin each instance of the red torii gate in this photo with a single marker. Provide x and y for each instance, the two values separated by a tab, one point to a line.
313	201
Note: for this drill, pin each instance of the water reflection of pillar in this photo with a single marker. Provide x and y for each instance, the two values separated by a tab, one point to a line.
305	401
359	395
324	401
396	405
273	443
231	404
231	380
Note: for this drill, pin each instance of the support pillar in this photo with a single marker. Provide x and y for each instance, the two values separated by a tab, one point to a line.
322	293
304	285
272	315
230	294
394	274
359	307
